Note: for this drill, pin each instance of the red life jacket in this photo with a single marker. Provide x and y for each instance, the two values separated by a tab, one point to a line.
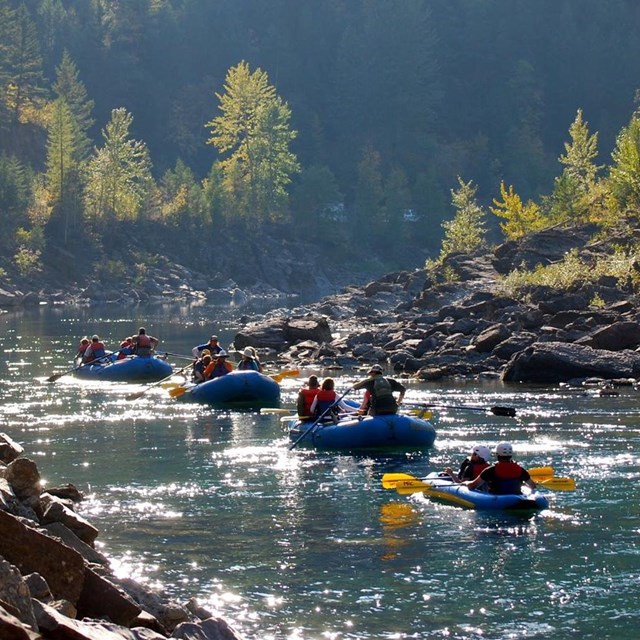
475	469
308	395
508	478
143	345
97	351
324	400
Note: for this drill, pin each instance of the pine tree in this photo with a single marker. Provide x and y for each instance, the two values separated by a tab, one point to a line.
520	218
253	130
64	169
466	232
581	153
119	180
69	87
624	175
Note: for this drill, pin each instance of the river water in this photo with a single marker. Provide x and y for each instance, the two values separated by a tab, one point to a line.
303	545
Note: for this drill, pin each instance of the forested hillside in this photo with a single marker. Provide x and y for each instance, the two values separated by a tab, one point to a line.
192	129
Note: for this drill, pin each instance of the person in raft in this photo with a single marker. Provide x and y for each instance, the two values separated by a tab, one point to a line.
95	351
143	344
213	347
248	361
473	466
84	344
306	396
218	367
380	399
326	399
505	477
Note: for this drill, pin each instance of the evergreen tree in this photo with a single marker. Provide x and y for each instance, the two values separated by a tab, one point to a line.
466	232
253	130
119	178
624	175
15	192
69	87
26	85
520	218
64	169
581	153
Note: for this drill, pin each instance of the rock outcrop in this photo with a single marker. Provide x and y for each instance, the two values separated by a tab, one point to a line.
55	585
467	327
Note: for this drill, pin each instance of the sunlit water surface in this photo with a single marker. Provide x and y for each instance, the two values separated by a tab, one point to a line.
296	544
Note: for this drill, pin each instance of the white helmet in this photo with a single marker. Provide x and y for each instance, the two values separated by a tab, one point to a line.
482	451
504	449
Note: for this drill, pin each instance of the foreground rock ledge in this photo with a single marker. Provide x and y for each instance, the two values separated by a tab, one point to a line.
54	584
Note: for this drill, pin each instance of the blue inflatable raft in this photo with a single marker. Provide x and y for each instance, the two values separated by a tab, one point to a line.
237	390
445	490
395	432
130	369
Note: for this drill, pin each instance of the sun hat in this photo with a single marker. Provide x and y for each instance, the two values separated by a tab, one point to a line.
248	352
222	354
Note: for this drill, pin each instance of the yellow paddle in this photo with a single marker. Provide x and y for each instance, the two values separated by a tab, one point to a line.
406	483
286	373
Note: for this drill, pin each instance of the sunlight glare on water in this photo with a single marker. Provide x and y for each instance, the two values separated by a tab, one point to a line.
304	545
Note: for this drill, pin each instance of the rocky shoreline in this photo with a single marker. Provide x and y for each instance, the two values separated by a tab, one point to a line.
466	327
54	584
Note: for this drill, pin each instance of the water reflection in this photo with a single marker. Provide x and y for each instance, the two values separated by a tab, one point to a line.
297	544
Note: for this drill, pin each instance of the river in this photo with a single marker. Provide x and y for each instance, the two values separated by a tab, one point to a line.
305	545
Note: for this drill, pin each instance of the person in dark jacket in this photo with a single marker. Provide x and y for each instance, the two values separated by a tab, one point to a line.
380	399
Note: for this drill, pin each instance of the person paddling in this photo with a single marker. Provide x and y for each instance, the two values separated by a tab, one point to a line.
143	344
95	351
380	399
505	477
473	466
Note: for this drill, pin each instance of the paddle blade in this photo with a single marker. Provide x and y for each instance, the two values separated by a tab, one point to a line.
510	412
178	391
390	480
134	396
55	377
287	373
541	472
558	484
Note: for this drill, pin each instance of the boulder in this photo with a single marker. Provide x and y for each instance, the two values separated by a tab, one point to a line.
32	551
23	476
15	593
554	362
615	337
9	450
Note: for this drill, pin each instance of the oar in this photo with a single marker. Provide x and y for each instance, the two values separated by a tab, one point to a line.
318	420
178	391
498	411
178	355
57	376
139	394
286	373
406	483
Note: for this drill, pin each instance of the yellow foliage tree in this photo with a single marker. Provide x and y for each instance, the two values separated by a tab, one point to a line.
520	218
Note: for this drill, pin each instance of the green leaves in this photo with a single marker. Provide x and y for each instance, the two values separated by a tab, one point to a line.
253	129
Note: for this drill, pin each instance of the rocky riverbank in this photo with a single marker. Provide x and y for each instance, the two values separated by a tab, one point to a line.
54	584
466	327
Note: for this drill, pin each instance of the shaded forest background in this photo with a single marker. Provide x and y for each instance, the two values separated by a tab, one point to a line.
388	102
